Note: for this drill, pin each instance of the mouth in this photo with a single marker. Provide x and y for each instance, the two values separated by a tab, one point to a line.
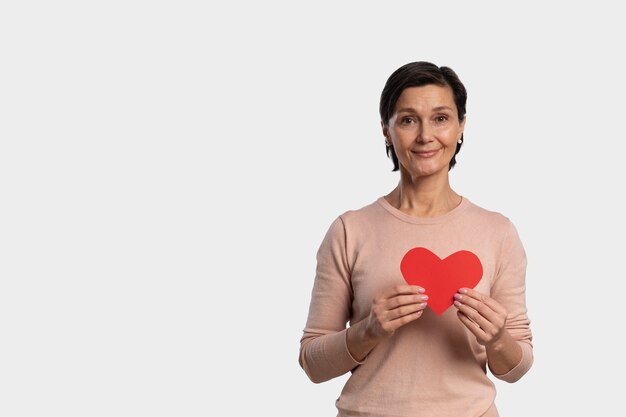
425	154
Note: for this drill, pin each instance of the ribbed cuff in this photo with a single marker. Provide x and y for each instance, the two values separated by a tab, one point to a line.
522	367
342	361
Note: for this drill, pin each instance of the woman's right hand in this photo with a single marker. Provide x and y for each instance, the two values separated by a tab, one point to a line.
391	309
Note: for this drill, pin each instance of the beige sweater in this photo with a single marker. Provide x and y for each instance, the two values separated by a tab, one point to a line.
433	366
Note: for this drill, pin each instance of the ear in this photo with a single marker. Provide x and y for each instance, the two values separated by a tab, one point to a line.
385	129
462	125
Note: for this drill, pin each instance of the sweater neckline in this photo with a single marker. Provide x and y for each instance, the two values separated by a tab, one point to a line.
424	220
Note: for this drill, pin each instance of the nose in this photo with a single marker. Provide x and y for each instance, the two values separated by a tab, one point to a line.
424	133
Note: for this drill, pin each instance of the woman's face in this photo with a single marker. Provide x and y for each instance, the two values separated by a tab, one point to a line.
424	130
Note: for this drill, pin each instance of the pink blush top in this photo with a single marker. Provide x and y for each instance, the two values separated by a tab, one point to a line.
434	365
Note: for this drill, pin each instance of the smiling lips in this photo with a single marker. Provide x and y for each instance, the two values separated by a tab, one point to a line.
425	154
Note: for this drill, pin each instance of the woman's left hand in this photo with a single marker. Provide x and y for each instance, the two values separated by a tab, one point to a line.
482	315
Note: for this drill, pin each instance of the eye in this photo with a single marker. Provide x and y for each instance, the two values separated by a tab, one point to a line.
441	118
407	120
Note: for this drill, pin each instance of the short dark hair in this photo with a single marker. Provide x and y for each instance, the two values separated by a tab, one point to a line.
418	74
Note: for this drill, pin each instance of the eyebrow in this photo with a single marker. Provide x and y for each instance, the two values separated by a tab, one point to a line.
435	109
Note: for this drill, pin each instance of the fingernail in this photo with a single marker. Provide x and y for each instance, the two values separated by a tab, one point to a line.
423	297
463	290
458	296
421	290
456	303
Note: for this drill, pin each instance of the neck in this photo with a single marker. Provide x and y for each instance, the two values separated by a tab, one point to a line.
424	196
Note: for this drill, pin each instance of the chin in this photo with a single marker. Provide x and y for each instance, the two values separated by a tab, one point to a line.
424	171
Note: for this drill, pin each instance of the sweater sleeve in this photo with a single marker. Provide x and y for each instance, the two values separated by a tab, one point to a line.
323	350
509	289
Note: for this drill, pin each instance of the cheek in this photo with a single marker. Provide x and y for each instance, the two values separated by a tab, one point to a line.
451	137
403	139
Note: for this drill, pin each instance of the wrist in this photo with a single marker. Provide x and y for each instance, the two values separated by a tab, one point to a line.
368	334
361	339
501	343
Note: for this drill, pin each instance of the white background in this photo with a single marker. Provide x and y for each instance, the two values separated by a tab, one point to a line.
168	170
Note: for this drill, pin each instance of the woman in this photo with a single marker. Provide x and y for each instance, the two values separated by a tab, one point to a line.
413	347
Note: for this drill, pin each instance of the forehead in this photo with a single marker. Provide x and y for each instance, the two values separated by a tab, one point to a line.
425	97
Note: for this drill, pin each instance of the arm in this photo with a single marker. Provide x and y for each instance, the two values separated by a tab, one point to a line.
500	322
487	320
327	348
323	349
391	309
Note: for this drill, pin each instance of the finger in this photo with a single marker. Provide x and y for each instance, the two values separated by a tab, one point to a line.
482	298
471	326
394	325
476	316
401	289
405	311
399	312
477	304
495	306
402	300
472	293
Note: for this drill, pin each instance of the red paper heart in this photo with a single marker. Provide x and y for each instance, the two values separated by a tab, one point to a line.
441	278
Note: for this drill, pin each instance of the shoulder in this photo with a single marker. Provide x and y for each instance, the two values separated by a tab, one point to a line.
357	221
364	215
351	224
488	219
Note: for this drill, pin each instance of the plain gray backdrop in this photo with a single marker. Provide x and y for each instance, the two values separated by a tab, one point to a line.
168	170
